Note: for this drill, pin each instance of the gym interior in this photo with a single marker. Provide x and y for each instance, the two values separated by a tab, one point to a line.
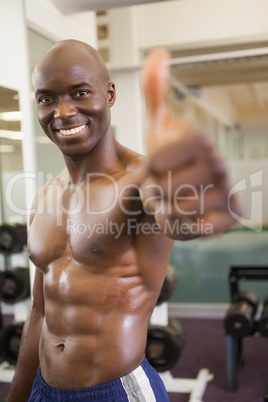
208	333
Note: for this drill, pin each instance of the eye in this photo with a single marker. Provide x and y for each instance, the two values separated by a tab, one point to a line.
81	94
45	99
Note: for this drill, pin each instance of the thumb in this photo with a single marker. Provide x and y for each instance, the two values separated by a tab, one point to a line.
155	80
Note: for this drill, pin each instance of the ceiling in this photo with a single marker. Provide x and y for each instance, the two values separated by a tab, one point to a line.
71	6
223	72
243	77
241	74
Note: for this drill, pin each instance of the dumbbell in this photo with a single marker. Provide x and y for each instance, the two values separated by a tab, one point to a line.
169	285
239	320
14	285
265	396
263	323
10	338
12	238
164	345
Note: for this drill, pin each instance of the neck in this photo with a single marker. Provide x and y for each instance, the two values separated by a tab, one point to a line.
103	158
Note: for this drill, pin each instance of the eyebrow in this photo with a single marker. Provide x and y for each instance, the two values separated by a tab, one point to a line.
74	86
41	91
80	84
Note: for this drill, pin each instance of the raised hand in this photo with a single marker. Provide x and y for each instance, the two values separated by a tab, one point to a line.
190	179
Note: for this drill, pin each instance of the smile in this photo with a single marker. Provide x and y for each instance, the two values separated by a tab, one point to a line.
72	131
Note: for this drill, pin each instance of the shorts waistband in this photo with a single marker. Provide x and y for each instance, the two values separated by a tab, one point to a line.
108	391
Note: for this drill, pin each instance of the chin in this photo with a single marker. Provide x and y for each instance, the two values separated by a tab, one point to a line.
76	152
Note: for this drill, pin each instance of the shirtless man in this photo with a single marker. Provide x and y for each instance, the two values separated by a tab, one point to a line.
102	231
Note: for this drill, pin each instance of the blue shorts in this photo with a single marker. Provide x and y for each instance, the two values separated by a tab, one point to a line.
141	385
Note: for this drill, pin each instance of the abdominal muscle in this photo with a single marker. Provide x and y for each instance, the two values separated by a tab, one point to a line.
95	339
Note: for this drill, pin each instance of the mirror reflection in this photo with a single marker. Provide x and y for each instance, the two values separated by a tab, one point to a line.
10	147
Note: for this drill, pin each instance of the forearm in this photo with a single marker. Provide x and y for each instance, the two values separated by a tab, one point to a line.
176	228
28	360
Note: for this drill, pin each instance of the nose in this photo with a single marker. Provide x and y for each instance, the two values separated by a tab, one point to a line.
64	110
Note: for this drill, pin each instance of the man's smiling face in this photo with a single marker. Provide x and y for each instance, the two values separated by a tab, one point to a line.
73	96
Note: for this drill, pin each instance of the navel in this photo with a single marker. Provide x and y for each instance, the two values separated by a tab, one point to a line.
60	347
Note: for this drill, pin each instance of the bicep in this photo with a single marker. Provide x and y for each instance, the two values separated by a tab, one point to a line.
150	195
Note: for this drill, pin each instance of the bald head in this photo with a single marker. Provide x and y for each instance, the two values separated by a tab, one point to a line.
72	90
73	51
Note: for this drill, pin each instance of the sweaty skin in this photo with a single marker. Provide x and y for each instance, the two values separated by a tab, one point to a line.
95	233
98	288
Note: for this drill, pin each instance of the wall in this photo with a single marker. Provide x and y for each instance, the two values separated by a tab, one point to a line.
127	113
203	264
191	22
15	74
257	144
12	43
43	17
218	97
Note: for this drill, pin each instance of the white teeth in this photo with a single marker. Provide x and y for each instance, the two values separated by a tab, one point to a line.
73	130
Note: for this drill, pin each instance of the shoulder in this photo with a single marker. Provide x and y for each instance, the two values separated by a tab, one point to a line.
40	196
135	164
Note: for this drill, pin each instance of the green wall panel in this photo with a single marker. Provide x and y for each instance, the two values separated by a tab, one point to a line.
203	266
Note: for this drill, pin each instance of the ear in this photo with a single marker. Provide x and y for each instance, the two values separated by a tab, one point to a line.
111	94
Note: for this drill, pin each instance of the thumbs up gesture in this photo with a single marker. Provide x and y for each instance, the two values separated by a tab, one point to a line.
189	184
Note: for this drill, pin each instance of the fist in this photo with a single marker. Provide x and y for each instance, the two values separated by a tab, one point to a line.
182	160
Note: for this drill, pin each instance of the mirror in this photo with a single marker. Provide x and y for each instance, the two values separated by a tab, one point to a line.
10	153
13	232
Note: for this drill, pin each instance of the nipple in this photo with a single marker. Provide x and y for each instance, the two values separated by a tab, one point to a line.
96	250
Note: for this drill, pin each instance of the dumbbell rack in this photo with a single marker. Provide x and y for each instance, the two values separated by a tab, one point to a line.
195	387
20	310
234	343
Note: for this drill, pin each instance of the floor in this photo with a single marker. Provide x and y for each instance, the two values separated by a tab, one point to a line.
205	348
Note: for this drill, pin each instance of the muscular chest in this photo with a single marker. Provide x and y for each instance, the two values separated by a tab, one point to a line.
87	224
